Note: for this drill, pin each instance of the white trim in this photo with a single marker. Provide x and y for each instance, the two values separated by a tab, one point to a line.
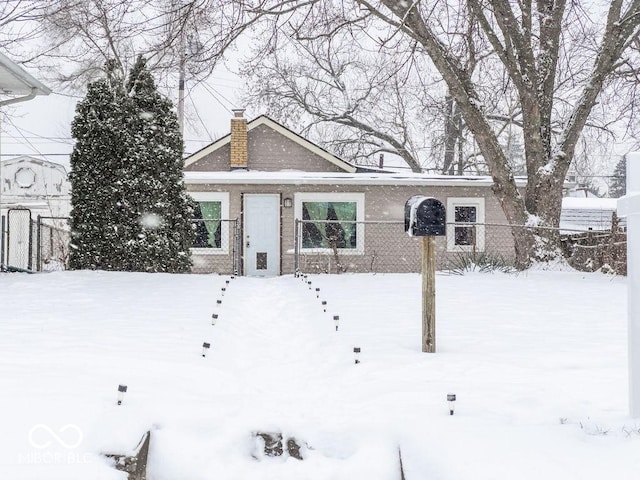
223	198
358	198
477	202
264	120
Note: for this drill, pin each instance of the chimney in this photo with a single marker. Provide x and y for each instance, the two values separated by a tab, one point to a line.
239	156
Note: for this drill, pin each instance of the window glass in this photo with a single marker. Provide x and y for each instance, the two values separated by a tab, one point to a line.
332	225
208	226
465	235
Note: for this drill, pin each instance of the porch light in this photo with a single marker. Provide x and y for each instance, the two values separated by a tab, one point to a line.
317	292
451	399
287	202
214	318
122	389
356	352
324	306
205	348
336	320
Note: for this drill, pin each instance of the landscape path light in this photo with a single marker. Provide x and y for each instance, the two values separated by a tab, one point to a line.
223	290
309	283
205	348
324	306
214	318
356	352
336	321
218	302
317	292
451	399
122	389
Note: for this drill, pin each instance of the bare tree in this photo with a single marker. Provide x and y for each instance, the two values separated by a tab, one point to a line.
338	89
529	40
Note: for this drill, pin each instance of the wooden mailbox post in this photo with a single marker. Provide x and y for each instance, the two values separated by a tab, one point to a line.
425	217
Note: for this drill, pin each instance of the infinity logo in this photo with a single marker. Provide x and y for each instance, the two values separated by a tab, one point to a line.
75	432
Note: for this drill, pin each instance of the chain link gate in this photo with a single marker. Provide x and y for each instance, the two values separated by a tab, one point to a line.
18	245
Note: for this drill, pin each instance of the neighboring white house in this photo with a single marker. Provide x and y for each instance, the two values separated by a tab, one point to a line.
587	213
31	188
39	185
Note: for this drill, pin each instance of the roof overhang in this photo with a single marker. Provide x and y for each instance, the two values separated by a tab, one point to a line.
18	83
315	178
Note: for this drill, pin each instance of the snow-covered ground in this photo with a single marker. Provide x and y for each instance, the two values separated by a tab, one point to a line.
537	361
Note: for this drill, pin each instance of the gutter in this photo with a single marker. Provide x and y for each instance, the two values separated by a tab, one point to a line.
24	98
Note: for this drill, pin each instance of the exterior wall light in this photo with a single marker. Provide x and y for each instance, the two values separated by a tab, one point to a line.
287	202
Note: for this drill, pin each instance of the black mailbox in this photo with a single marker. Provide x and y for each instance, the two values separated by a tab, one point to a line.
424	217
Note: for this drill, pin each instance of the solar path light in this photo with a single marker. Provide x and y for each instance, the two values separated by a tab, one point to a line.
336	321
205	348
356	353
324	306
223	290
214	318
451	399
317	292
122	389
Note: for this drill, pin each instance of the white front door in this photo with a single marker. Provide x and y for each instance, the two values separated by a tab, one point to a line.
261	235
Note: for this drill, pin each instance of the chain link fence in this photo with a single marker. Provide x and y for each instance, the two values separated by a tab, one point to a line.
384	247
217	246
53	236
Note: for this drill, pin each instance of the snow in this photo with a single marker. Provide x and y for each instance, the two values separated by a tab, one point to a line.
326	178
589	203
537	361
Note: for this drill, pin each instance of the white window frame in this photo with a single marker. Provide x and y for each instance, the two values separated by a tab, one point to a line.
358	198
453	202
223	198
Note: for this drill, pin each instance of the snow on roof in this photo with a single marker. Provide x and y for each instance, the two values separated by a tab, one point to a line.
590	203
328	178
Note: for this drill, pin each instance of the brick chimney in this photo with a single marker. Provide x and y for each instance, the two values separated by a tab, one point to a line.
239	156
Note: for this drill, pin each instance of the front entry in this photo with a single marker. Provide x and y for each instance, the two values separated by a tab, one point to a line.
261	235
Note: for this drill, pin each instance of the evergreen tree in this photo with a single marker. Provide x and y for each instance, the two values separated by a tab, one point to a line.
130	210
618	185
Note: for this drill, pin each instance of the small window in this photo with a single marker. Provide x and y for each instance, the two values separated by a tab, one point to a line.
331	221
465	224
211	222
